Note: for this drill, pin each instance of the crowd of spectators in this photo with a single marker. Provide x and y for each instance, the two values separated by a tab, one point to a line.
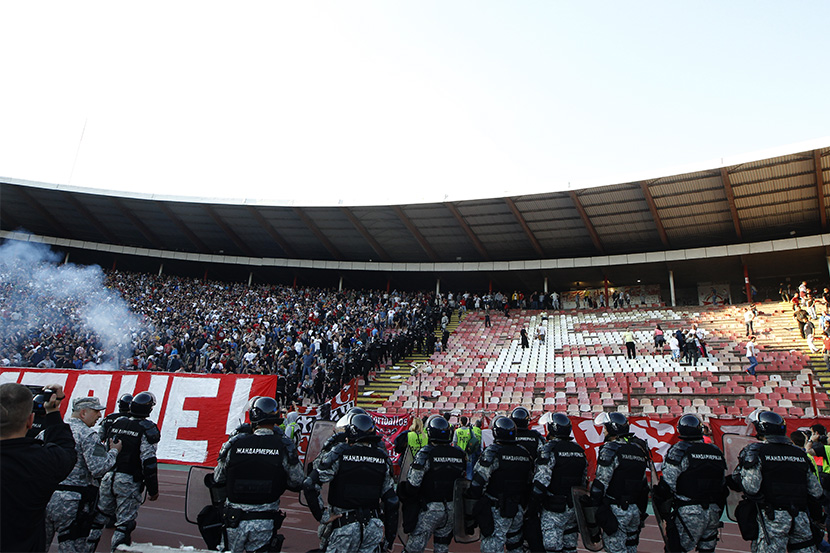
315	339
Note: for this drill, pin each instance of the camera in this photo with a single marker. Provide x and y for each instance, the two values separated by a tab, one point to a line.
41	398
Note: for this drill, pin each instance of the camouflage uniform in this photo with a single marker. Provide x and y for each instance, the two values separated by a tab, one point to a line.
354	529
503	475
434	472
559	529
255	534
696	520
626	510
779	528
120	492
63	509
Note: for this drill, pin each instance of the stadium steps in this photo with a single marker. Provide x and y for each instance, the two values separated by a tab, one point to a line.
388	381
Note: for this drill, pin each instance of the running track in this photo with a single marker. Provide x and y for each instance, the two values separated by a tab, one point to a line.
162	522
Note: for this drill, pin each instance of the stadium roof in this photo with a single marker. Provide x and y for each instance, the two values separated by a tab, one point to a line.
771	198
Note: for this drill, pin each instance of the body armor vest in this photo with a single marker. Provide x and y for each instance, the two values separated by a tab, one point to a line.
530	440
129	431
446	465
568	469
512	478
255	472
359	479
630	475
702	481
784	469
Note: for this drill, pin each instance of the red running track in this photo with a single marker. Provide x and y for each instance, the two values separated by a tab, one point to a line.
162	522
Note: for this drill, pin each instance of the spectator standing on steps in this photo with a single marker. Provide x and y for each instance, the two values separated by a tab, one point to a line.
809	331
751	354
826	349
525	343
630	346
749	316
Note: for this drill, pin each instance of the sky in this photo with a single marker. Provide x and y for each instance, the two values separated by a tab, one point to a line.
377	102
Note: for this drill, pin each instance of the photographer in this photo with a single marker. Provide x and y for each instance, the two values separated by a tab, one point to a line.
30	469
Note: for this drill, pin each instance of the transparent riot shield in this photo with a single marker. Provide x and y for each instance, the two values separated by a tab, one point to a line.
586	519
321	431
197	495
732	446
406	462
463	514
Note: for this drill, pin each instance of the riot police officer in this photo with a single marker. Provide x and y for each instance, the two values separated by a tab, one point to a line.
109	420
431	481
526	437
360	480
561	466
136	468
782	493
532	441
691	494
620	489
72	507
501	486
256	469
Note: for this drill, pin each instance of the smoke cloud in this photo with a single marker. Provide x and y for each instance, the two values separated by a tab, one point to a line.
47	304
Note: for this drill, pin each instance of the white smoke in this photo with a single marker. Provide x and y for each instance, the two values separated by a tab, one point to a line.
39	297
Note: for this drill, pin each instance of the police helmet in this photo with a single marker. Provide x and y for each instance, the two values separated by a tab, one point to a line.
124	403
767	423
689	427
343	422
616	424
360	428
521	417
438	430
559	426
142	404
264	410
504	430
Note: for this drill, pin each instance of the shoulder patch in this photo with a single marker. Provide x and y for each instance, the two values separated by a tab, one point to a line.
677	452
607	453
151	431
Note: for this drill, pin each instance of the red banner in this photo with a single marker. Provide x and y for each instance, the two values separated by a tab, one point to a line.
195	413
390	427
337	406
738	426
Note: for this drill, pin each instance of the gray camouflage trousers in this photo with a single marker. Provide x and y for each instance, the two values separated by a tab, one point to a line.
627	536
780	533
559	530
119	495
352	538
436	519
252	535
60	514
507	535
698	527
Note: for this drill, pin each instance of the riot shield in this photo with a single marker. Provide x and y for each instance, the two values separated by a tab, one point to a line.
462	514
406	462
586	519
320	432
197	495
732	446
653	482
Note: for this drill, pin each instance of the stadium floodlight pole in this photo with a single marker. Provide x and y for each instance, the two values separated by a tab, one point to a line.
418	370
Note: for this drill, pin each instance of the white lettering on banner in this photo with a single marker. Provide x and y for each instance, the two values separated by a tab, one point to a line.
176	418
92	384
157	387
43	379
236	412
9	377
127	386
